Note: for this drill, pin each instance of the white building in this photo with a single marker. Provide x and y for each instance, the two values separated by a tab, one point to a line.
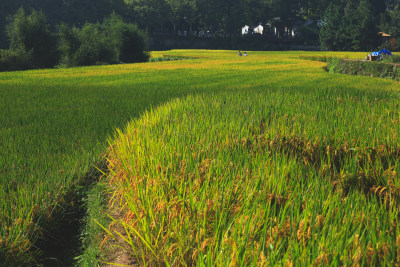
245	30
259	29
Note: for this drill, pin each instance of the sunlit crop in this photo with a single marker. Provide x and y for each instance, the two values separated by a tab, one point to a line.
266	159
301	171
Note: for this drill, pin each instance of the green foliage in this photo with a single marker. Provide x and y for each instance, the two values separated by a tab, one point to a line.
160	59
68	44
111	42
34	46
134	46
72	12
17	59
332	65
92	234
316	58
96	46
225	16
331	34
391	59
349	27
390	25
366	68
129	42
170	58
149	14
32	33
309	32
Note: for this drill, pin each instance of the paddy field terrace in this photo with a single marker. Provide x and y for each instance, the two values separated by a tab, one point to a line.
214	160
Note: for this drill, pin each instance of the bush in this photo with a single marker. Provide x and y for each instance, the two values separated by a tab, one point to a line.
130	42
17	59
32	45
111	42
391	59
87	46
84	56
96	46
133	48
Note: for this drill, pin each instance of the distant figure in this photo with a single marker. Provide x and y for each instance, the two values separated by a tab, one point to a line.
240	54
245	54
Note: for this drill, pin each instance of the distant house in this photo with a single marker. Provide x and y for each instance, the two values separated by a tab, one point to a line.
259	29
245	30
384	36
252	30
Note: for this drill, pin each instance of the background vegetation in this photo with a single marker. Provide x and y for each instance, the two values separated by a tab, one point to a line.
360	20
33	45
384	69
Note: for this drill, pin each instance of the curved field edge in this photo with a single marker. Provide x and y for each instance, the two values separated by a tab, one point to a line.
54	123
259	179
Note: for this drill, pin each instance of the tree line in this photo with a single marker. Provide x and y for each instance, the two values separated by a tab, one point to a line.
344	24
353	25
33	45
168	16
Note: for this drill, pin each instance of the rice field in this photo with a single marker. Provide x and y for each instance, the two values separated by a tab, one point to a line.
215	160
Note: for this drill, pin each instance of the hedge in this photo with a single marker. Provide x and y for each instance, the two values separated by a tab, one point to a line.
364	68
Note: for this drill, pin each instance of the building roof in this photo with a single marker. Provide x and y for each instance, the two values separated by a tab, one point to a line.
384	34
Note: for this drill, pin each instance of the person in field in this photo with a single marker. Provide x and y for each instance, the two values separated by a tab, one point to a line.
245	54
240	53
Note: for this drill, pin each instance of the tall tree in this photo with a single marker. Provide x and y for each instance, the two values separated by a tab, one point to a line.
368	25
377	7
332	33
32	33
182	12
391	23
314	9
350	25
149	14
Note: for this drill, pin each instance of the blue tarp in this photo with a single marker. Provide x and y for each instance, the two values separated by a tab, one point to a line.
382	52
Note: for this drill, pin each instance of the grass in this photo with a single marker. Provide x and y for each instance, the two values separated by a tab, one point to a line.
54	125
92	234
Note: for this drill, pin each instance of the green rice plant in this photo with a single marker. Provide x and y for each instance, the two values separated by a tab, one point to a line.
54	125
248	179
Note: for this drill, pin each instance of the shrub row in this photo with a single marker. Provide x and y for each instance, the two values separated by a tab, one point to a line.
160	59
364	68
316	58
391	59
